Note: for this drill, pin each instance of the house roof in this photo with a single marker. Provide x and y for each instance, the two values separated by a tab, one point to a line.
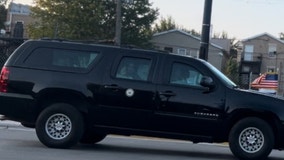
187	34
263	34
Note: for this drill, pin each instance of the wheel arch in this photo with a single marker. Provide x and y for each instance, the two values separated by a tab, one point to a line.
56	95
267	116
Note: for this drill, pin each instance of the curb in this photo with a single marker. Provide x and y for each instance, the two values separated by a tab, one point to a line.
8	124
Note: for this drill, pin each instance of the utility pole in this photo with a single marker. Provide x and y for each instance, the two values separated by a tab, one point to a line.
203	52
117	38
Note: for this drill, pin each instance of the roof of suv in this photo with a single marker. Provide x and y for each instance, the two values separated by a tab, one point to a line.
54	43
98	44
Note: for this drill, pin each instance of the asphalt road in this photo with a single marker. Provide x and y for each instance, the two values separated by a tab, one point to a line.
17	143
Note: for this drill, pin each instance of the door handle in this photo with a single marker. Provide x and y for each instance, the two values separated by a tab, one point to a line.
167	94
112	86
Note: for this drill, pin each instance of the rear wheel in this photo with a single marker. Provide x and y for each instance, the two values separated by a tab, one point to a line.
251	139
60	126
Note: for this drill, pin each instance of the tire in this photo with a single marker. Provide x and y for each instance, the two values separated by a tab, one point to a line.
90	137
251	139
60	126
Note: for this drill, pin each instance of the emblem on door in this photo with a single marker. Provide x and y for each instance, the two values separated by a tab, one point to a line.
129	92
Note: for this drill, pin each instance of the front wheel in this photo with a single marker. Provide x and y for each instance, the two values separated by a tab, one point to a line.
251	139
60	126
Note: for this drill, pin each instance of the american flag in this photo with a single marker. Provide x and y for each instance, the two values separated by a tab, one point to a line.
267	80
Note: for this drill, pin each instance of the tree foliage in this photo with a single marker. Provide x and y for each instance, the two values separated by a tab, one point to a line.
3	2
165	24
222	35
92	20
137	22
169	23
231	69
234	47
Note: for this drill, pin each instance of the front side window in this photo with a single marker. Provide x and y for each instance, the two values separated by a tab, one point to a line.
184	74
133	68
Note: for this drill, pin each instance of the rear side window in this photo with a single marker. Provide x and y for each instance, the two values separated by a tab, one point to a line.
60	59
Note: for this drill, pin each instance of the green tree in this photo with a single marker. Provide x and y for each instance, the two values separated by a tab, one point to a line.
192	32
3	2
223	35
165	24
93	20
234	46
231	69
75	19
168	23
137	22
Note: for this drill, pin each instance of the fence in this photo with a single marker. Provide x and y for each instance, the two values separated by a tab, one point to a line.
7	46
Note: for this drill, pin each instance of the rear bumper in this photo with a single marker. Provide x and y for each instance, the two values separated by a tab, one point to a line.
17	107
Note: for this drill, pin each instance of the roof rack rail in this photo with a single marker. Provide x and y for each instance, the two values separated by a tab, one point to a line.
103	42
53	39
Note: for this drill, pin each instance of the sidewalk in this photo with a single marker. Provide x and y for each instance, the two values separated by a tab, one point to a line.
8	123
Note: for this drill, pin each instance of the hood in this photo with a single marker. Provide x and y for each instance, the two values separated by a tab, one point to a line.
255	101
262	94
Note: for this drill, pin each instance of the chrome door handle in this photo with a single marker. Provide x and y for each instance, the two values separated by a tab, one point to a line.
167	93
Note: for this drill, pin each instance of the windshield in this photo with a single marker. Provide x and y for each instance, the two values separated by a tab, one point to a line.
220	75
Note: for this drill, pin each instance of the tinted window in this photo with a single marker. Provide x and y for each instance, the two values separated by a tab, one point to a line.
134	68
51	58
220	75
185	75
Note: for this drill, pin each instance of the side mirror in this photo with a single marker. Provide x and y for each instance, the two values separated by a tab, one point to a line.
207	82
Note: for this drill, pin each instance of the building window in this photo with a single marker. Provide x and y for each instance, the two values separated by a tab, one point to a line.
193	53
272	48
248	55
169	49
271	69
246	69
197	54
181	51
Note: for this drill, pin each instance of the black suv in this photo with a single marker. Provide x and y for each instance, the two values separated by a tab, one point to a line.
73	92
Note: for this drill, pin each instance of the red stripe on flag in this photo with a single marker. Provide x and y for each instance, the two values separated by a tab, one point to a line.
263	82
